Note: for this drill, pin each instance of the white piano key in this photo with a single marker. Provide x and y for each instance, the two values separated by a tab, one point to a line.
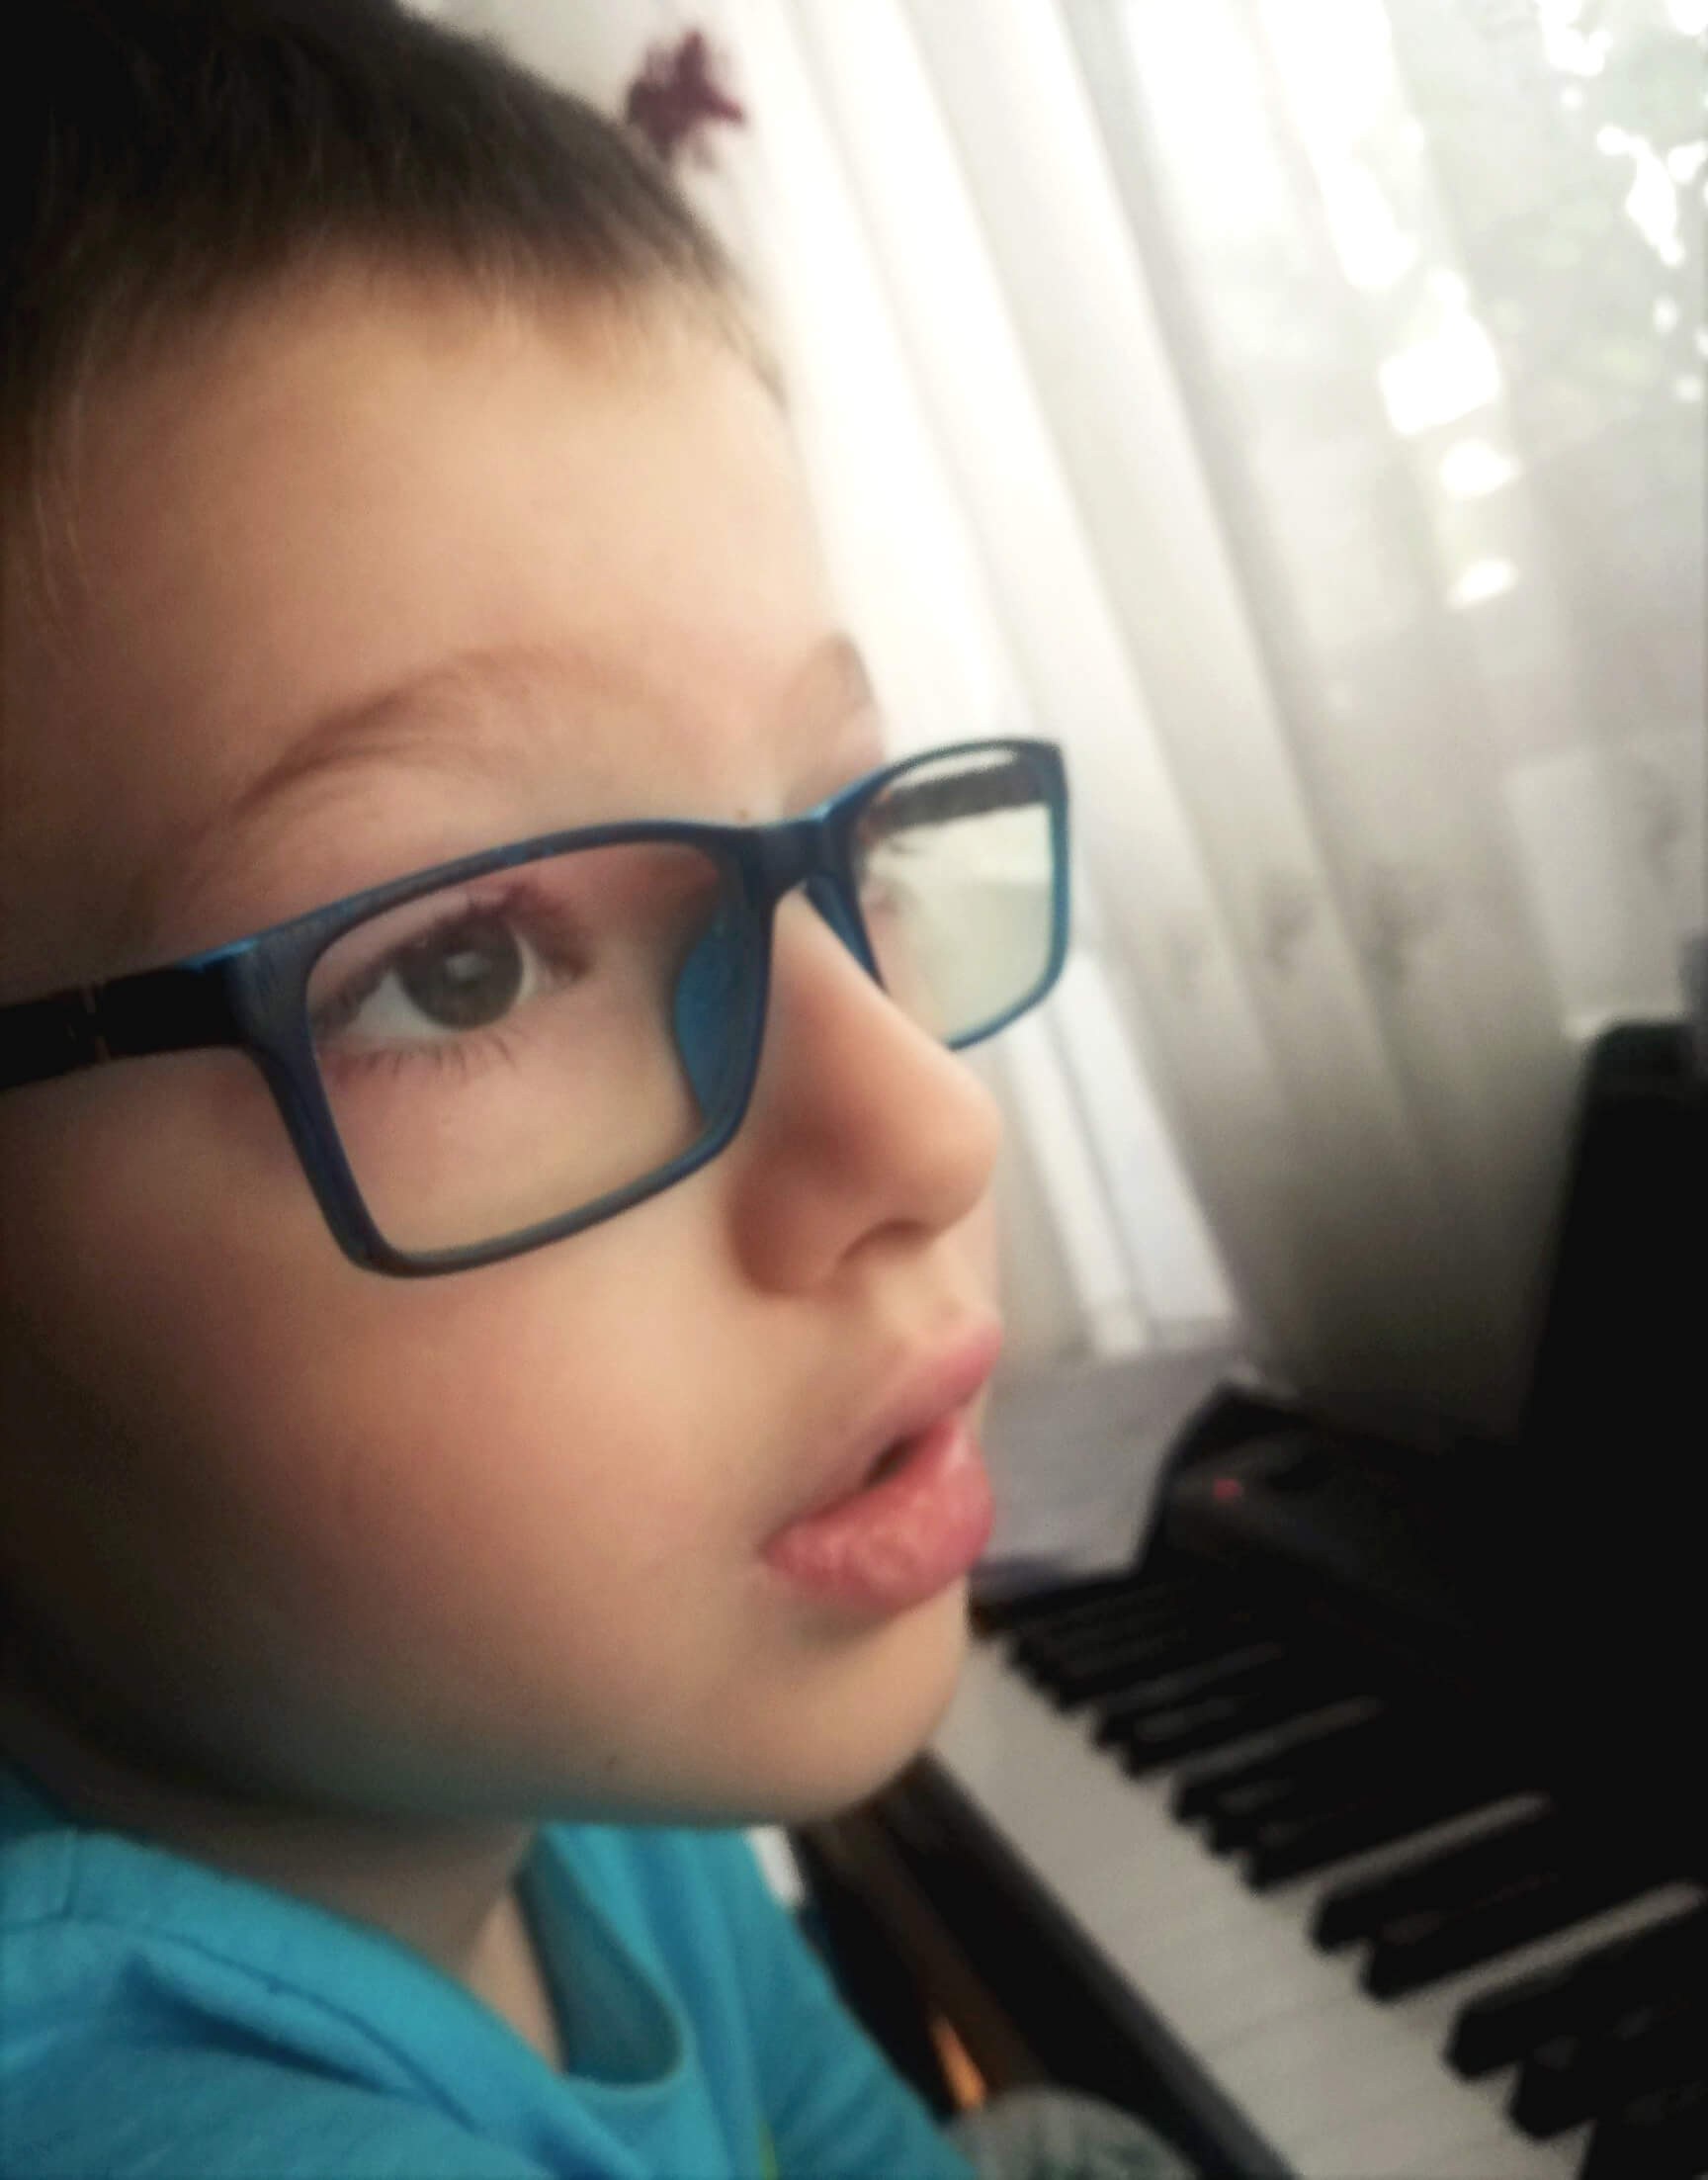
1514	2157
1383	2147
1343	2081
1343	2086
1068	1807
1317	2074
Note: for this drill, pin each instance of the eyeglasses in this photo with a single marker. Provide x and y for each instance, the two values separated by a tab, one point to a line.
505	1049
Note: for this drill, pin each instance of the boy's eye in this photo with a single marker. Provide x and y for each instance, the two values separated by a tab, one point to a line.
507	1049
465	974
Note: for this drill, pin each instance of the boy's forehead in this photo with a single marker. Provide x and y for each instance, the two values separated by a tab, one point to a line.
420	564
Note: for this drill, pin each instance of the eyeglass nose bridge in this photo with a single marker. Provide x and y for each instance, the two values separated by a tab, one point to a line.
808	854
811	853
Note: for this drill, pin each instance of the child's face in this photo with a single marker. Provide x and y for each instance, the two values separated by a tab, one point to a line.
489	1541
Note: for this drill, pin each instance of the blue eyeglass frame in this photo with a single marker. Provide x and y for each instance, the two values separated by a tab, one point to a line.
252	993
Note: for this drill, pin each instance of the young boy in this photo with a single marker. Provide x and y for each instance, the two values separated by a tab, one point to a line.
496	1348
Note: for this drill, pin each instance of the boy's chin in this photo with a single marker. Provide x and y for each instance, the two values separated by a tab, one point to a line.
797	1739
831	1736
870	1718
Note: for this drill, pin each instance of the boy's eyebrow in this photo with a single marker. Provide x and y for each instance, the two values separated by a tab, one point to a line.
831	683
829	686
380	725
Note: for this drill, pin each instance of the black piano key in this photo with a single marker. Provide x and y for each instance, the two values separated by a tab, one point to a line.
1425	1945
1278	1806
1294	1845
1212	1720
996	1615
1361	1908
1504	2024
1339	1745
1376	1750
1228	1669
1660	2136
1571	2078
1547	2099
1248	1683
1096	1670
1135	1608
1366	1804
1236	1818
1103	1672
1046	1649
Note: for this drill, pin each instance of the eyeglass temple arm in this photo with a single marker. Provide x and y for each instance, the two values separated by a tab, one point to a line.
175	1010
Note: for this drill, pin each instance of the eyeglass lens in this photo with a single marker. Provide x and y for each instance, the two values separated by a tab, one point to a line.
511	1049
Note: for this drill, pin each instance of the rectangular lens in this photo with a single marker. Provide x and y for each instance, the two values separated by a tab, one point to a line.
956	861
508	1050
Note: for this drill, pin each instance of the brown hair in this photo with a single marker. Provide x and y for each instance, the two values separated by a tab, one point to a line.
163	156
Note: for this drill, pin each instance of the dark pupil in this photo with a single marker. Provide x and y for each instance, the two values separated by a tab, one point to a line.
465	977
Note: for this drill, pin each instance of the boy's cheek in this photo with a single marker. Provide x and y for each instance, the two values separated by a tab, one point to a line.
195	1296
251	1517
260	1468
349	1440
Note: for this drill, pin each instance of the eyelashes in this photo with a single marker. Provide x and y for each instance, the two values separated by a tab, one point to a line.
477	960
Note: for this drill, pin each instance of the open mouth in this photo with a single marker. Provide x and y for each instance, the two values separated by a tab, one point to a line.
916	1522
888	1463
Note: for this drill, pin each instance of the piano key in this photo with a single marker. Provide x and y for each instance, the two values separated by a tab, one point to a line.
1231	1825
1044	1657
1233	1673
1321	2070
1289	1845
1109	1621
1339	1737
1467	1873
1135	1619
1109	1676
1224	1669
1135	1613
1104	1669
1212	1720
1667	1948
997	1614
1510	2160
1198	1936
1429	2013
1433	1942
1438	2006
1661	2135
1573	2077
1397	1856
1382	2142
1361	1743
1337	2122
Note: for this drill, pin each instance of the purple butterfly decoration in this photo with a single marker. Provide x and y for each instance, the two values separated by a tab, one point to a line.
676	96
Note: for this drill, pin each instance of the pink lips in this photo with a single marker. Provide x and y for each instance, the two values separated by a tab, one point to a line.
900	1536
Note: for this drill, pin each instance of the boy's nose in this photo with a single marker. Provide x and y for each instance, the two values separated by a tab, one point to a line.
862	1123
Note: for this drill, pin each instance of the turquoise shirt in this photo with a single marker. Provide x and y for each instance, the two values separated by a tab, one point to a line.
160	2019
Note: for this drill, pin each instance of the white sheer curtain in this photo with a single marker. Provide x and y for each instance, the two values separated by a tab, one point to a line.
1294	407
